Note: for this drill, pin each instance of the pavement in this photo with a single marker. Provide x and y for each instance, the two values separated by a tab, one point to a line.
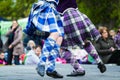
25	72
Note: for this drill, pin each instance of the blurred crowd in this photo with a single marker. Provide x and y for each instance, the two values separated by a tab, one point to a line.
26	50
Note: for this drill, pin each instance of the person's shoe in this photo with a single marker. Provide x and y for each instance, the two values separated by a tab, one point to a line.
101	67
41	70
118	62
74	74
54	74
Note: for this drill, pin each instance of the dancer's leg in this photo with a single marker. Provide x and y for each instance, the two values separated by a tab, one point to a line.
54	54
46	51
51	60
78	69
92	51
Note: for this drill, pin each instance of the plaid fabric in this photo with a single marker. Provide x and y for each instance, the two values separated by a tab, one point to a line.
77	28
117	40
76	65
44	17
50	52
52	58
56	1
92	51
47	48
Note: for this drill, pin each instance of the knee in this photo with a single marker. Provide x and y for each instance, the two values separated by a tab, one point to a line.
54	35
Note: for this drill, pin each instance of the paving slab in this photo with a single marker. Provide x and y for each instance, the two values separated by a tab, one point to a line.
23	72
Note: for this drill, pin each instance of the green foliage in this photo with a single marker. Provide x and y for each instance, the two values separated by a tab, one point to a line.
5	7
15	9
101	12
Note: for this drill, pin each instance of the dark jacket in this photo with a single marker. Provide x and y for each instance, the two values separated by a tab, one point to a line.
1	44
103	47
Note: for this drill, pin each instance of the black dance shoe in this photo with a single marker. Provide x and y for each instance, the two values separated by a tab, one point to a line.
101	67
54	74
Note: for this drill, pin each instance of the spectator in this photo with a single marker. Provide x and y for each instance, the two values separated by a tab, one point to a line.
1	43
117	38
32	58
107	48
30	45
2	58
81	55
14	43
112	34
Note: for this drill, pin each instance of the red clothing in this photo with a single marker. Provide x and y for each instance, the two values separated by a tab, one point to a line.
2	61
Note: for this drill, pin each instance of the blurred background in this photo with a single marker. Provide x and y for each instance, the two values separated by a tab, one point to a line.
101	12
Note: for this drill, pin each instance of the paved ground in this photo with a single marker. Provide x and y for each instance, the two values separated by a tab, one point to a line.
23	72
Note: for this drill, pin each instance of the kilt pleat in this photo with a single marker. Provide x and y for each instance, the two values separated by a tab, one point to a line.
77	28
44	17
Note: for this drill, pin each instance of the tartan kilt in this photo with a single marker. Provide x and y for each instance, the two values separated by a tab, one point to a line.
77	28
44	17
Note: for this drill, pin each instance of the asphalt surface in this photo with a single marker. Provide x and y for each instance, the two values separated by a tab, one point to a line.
23	72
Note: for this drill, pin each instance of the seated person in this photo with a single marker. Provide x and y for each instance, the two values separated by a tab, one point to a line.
32	57
106	48
1	43
2	58
117	38
30	45
112	33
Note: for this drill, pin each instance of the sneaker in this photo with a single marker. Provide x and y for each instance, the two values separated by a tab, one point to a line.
41	70
74	74
101	67
54	74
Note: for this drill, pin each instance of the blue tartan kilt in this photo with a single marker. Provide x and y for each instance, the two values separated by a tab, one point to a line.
44	17
77	28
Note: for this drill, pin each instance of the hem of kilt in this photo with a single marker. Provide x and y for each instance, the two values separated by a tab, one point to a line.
67	10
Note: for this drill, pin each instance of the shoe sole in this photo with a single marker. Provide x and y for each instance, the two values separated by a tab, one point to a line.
54	76
50	75
75	75
82	74
41	70
102	70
